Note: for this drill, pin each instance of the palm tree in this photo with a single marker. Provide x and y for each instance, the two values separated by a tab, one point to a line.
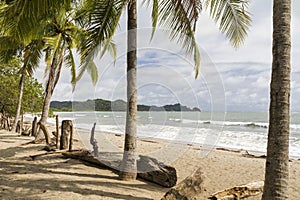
56	30
31	58
62	36
277	163
101	19
128	168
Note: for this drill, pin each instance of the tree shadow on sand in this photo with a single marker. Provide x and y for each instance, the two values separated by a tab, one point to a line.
63	175
11	152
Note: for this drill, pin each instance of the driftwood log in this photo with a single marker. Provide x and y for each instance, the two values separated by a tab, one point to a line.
188	188
249	155
34	157
149	168
239	192
157	172
93	142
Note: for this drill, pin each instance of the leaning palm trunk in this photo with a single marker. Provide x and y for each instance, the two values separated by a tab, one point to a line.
47	98
277	163
129	166
21	89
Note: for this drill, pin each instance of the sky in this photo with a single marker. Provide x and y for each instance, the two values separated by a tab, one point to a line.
230	79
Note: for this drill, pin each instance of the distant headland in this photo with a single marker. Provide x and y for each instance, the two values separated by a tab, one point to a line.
118	105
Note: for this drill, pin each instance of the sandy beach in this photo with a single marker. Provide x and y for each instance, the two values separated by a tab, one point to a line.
55	177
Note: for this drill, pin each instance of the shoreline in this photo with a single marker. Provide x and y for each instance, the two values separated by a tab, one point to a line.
51	122
194	145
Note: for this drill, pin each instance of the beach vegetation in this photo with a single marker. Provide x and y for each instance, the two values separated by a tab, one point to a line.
29	55
9	90
117	105
55	28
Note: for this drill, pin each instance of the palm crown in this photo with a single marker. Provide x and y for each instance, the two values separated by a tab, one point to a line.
101	18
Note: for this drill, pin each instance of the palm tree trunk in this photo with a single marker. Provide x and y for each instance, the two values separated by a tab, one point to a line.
277	163
21	89
129	166
47	98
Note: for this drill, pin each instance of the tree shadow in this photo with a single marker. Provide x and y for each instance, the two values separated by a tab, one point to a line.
61	171
13	151
11	137
21	177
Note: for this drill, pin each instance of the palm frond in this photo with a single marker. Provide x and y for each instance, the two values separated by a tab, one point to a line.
93	71
109	46
74	34
180	17
154	15
22	18
54	47
32	56
100	19
233	18
9	48
58	69
7	42
91	68
70	63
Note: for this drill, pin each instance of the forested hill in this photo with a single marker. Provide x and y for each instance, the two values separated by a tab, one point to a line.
118	105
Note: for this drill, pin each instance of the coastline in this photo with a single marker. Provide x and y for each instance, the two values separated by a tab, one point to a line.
54	177
232	132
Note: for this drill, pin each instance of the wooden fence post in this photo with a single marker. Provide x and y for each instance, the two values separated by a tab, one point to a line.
18	128
66	131
57	132
71	139
34	127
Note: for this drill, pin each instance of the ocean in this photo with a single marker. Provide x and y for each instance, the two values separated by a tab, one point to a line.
232	130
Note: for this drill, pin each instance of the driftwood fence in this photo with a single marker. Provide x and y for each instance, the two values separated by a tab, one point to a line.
63	139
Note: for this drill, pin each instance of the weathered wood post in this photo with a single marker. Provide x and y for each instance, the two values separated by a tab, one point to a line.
1	120
22	122
66	130
18	128
71	139
34	127
8	124
6	127
57	132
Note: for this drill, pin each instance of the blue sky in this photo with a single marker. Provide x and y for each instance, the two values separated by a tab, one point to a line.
230	79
